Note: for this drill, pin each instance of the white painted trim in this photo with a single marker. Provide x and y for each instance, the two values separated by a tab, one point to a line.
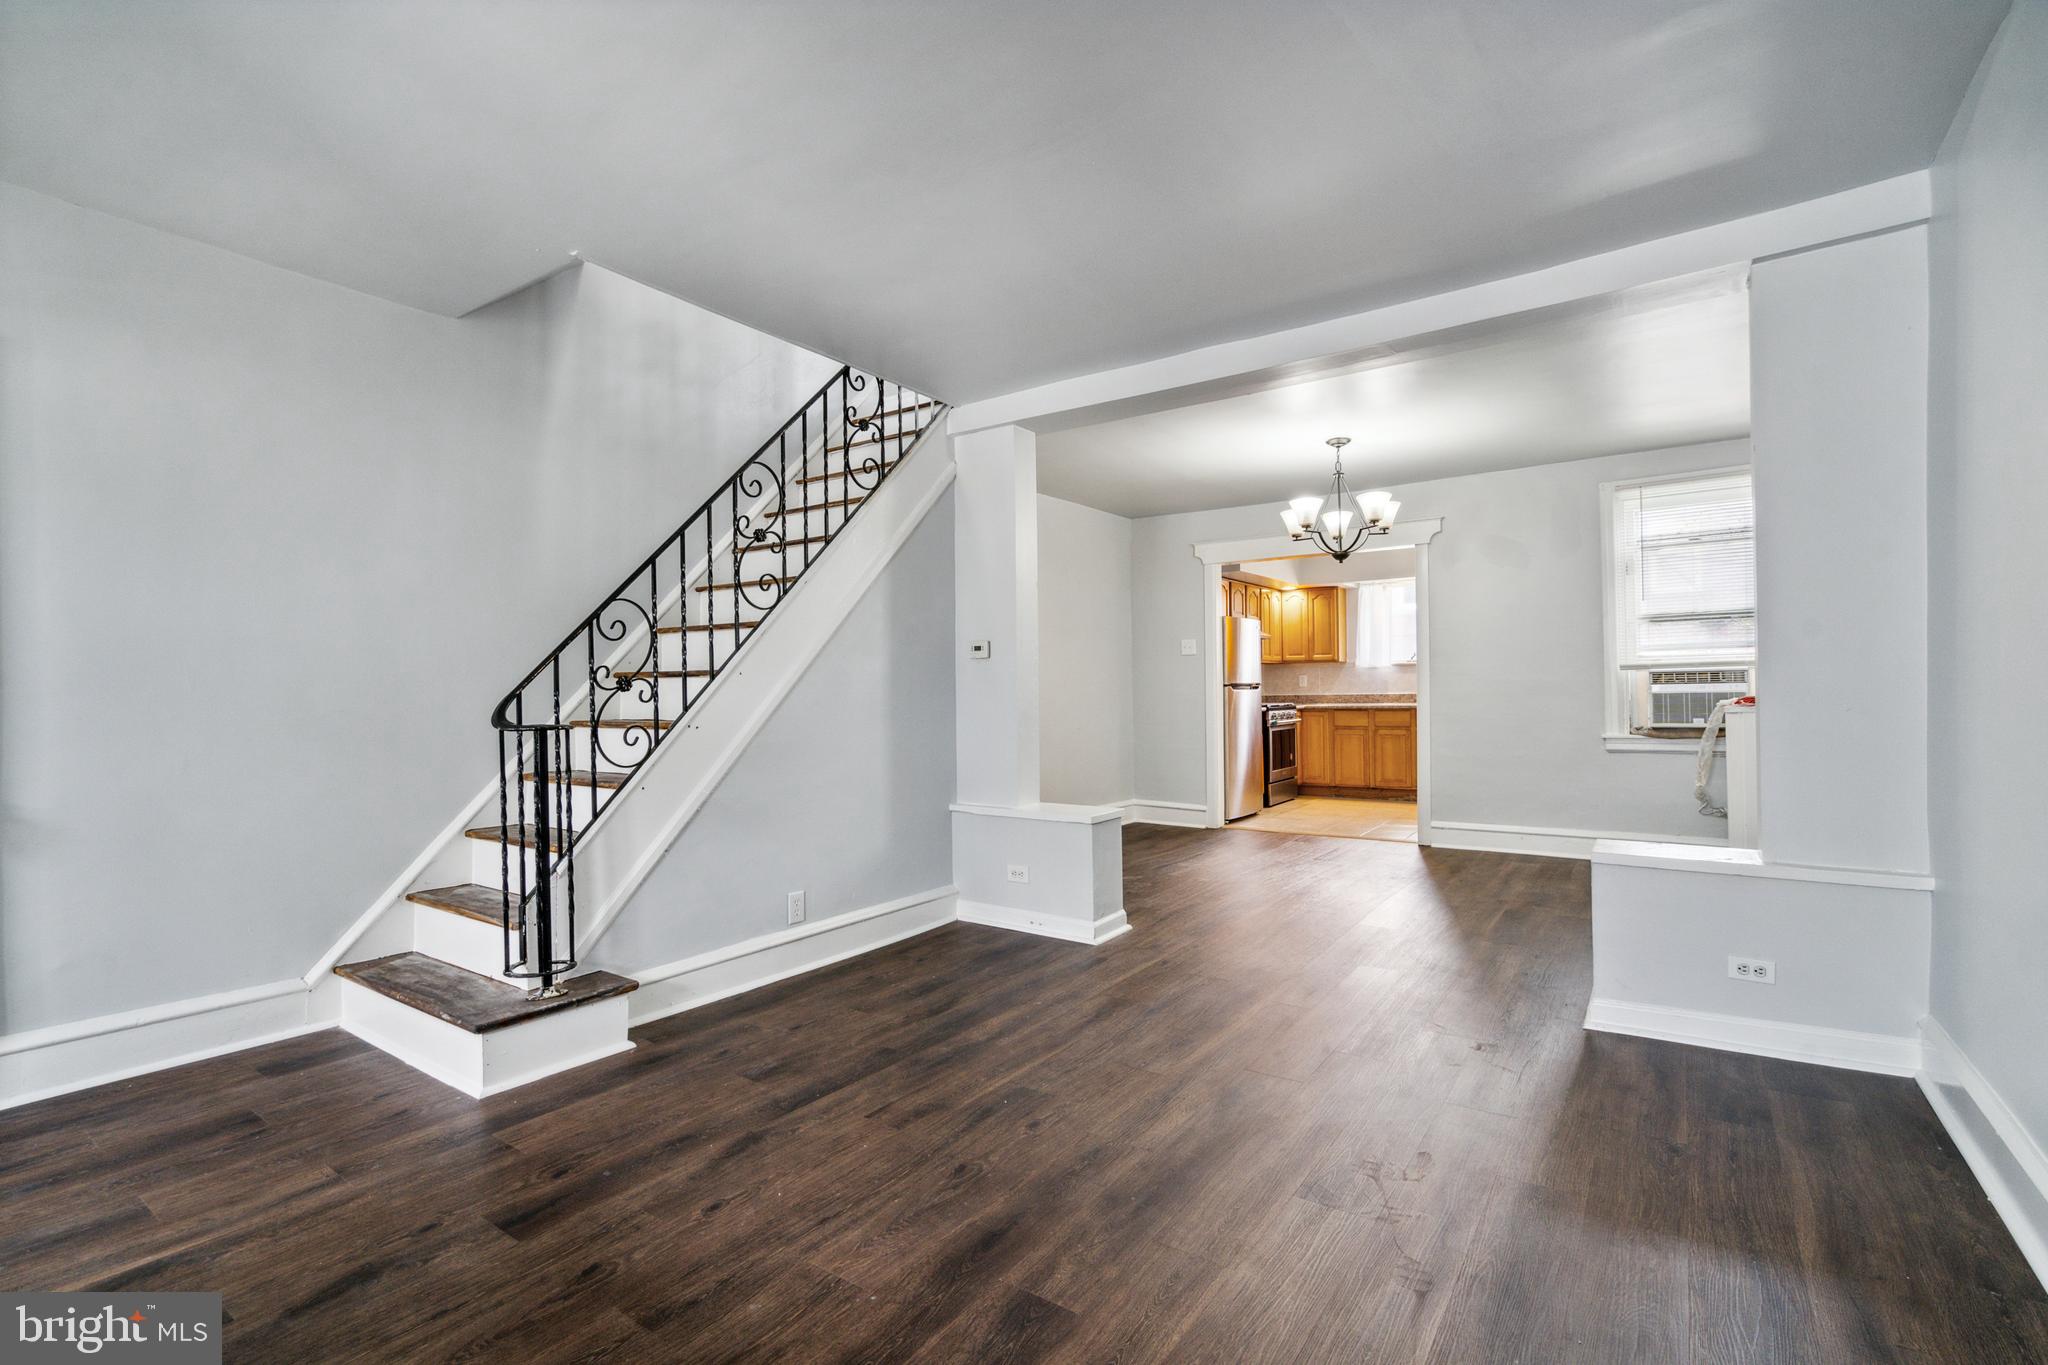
1546	842
733	970
1722	860
1045	811
1644	744
1401	535
41	1063
2025	1211
1324	347
1881	1053
1184	813
1075	930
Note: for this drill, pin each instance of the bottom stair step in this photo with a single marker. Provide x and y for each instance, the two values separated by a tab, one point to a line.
472	1003
475	1033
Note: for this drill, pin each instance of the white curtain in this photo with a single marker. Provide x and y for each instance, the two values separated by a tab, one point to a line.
1386	623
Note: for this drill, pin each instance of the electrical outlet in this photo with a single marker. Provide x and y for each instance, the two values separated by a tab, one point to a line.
1301	679
796	907
1019	872
1187	647
1753	969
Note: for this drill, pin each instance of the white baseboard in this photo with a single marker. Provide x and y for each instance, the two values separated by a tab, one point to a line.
1540	840
2008	1161
43	1063
1074	930
1187	814
707	977
1846	1048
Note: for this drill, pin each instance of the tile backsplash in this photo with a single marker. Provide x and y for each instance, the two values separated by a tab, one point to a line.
1285	680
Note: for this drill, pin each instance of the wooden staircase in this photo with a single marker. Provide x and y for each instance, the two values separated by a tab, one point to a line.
487	997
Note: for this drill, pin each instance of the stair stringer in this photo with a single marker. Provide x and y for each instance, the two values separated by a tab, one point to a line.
628	839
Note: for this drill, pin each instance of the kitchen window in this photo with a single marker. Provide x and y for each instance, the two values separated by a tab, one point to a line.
1681	603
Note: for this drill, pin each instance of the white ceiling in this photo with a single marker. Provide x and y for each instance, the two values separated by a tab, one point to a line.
1664	365
972	197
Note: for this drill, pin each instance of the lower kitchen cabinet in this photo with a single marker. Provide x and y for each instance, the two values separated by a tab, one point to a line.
1362	750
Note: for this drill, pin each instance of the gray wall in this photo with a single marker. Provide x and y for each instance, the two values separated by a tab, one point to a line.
844	793
1988	493
1085	752
269	551
1515	646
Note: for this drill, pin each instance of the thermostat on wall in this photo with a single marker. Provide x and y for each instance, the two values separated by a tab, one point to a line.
977	649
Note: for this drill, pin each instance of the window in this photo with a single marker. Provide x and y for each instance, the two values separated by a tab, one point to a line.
1682	601
1386	623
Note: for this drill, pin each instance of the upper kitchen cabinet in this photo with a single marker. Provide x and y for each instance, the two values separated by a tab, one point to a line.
1311	626
1325	625
1297	625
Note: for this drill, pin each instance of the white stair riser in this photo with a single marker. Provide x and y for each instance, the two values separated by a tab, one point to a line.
460	941
615	749
583	800
485	868
480	1064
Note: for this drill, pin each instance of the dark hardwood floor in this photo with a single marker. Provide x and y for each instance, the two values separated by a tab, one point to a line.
1330	1100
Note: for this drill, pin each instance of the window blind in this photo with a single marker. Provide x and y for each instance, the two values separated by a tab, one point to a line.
1685	572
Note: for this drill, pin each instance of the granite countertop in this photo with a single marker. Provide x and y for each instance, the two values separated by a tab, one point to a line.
1350	701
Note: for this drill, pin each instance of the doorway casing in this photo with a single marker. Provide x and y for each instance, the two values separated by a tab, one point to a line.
1214	554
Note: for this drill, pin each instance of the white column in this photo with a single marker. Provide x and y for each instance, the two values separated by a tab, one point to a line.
1838	395
1018	863
995	550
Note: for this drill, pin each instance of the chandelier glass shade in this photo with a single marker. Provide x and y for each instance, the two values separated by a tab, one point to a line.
1340	522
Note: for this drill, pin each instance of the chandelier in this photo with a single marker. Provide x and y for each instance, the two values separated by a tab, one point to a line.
1339	522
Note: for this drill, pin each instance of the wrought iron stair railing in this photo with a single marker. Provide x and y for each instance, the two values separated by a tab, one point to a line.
639	662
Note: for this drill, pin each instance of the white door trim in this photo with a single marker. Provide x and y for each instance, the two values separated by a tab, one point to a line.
1214	554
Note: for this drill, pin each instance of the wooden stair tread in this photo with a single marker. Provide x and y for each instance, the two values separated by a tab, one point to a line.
607	723
486	903
800	510
713	625
665	673
791	544
526	836
584	777
877	440
898	412
856	474
750	583
475	1004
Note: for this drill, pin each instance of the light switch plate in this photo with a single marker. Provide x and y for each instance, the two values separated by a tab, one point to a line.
977	649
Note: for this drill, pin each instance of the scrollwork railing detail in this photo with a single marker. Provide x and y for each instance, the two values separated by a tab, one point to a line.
639	662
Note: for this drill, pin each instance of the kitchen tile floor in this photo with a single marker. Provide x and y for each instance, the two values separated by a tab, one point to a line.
1342	816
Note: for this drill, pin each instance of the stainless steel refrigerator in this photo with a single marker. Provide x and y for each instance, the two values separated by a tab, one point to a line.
1244	724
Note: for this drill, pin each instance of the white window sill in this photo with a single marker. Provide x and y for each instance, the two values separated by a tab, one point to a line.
1643	744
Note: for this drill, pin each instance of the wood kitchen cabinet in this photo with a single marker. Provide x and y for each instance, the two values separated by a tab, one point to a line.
1351	749
1392	758
1325	625
1314	764
1297	625
1311	626
1346	752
